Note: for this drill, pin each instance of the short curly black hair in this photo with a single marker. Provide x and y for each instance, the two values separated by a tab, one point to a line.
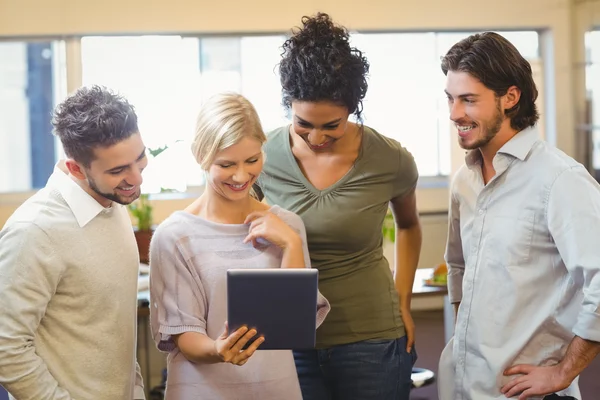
93	117
318	64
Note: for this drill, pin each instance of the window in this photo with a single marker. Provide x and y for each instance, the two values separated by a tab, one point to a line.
406	101
166	78
32	80
592	43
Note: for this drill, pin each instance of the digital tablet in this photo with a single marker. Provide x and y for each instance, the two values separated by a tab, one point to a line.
280	303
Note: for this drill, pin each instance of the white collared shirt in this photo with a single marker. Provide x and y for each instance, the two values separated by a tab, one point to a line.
524	262
84	207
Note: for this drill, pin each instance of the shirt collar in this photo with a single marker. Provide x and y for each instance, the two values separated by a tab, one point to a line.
521	144
518	146
84	207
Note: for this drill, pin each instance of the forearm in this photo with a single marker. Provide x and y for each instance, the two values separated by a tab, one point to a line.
198	348
293	255
579	355
408	249
25	375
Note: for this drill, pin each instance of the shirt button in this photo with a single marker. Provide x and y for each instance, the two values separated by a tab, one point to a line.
480	211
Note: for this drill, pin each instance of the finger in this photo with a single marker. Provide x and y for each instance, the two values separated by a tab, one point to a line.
254	215
256	223
409	343
513	387
410	339
225	331
239	345
527	394
252	348
519	369
252	236
517	389
235	337
246	354
254	231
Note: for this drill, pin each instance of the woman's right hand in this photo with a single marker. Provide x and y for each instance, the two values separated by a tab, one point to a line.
229	347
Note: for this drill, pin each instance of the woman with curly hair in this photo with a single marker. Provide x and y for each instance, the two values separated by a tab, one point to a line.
340	177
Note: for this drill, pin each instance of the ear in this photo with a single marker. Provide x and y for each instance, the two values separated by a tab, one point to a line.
75	169
512	97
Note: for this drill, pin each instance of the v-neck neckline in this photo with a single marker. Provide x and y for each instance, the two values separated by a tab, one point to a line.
306	182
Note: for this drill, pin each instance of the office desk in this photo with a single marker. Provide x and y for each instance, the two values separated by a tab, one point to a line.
422	290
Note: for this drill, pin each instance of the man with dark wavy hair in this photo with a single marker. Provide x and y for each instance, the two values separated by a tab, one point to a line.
522	251
69	263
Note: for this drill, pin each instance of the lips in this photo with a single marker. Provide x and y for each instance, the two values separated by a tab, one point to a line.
127	191
236	187
465	129
322	146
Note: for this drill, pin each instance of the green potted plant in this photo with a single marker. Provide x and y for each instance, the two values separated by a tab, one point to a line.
141	209
389	227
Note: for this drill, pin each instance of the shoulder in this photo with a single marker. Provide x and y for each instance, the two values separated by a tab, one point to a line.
389	153
22	232
171	230
548	163
382	143
40	216
289	217
552	157
276	137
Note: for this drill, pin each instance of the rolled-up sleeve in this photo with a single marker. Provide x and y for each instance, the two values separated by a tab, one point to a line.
178	305
573	215
454	254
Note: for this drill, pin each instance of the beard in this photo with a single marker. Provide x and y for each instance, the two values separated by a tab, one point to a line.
489	130
113	196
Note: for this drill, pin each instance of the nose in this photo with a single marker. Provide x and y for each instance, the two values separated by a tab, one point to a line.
241	175
135	177
457	111
315	137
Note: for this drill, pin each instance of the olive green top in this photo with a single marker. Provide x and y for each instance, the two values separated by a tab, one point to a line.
344	228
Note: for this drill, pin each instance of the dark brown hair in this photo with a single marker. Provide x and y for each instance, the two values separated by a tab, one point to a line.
496	63
90	118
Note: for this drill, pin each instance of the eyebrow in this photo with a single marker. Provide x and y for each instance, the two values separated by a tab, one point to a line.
328	123
142	155
233	162
462	96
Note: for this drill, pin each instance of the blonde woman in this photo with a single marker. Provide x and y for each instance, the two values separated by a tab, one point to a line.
226	227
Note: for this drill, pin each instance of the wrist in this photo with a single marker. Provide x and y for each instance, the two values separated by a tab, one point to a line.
214	354
566	372
292	243
405	302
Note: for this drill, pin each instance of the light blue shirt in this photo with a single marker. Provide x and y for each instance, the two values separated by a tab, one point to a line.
524	262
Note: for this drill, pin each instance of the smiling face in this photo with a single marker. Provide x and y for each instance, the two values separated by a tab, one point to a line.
115	174
235	169
475	109
319	124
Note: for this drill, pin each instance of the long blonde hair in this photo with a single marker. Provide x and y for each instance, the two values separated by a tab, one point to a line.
224	120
